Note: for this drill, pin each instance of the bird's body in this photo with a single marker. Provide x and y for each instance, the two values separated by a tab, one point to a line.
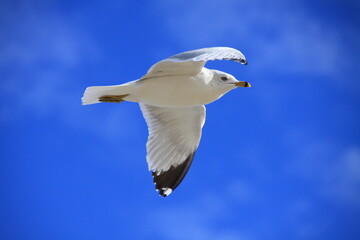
171	96
176	91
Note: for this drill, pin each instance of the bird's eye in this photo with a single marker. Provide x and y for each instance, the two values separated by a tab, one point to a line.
224	78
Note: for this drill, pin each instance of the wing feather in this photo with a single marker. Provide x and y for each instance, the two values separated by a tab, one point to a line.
191	62
174	135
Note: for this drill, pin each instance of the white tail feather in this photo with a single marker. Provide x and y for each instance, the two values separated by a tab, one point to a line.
92	94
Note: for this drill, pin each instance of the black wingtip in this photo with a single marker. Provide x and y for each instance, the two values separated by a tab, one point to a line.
241	60
167	181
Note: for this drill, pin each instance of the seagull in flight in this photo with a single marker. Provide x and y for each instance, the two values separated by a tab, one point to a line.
172	95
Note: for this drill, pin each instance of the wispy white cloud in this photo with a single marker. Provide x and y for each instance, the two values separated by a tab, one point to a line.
196	219
53	94
32	37
333	167
41	52
342	178
283	38
241	192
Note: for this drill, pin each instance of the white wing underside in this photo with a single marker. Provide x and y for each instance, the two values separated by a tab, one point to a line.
174	134
191	62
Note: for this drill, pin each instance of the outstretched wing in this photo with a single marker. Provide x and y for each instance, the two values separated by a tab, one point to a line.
191	62
174	135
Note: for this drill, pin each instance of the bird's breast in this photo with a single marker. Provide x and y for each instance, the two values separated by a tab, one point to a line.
175	91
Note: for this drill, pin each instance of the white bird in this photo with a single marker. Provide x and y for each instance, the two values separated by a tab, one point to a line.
172	95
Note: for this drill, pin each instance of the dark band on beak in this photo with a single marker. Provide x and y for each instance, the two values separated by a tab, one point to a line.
242	84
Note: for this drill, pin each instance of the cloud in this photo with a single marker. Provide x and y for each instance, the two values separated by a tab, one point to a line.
332	167
34	37
342	178
241	192
283	38
44	54
196	220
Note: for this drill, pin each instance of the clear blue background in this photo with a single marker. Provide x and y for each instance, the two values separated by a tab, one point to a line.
280	160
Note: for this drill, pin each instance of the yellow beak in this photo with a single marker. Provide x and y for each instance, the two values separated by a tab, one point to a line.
242	84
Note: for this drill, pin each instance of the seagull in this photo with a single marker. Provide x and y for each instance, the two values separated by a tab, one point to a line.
172	95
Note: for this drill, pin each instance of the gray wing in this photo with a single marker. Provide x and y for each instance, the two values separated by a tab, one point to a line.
174	135
191	62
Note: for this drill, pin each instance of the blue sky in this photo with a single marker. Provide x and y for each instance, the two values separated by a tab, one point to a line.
280	160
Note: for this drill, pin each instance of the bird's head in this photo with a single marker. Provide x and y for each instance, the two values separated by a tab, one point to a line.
226	82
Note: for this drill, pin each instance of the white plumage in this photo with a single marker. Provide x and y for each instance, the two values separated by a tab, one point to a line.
172	96
173	134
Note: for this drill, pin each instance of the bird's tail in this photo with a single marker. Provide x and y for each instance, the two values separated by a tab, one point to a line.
100	94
